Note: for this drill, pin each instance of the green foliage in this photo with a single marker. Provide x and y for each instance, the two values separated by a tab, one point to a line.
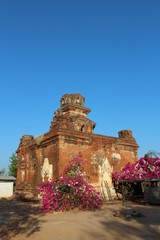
2	171
13	165
39	140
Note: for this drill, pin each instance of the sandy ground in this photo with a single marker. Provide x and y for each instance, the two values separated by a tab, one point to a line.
23	220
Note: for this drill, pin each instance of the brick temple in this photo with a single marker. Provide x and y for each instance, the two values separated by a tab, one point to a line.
72	132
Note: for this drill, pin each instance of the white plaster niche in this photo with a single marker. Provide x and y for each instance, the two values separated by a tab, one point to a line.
105	176
105	180
47	170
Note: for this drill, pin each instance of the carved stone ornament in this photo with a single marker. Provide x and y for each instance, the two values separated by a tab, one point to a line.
47	169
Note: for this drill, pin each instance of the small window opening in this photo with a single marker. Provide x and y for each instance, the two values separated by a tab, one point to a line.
82	128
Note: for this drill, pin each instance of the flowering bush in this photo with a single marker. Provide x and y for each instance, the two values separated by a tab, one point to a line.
146	168
71	190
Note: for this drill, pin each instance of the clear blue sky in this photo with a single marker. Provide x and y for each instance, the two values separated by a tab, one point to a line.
109	51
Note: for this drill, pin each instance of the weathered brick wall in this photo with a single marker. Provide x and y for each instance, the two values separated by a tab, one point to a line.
72	146
31	155
117	153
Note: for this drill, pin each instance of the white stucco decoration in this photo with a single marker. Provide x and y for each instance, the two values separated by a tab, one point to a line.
105	175
106	186
116	156
47	169
106	171
22	175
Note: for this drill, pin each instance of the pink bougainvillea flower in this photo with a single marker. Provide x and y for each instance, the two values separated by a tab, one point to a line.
145	168
71	190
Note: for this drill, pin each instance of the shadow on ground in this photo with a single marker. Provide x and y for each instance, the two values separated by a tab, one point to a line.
143	225
18	217
24	220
